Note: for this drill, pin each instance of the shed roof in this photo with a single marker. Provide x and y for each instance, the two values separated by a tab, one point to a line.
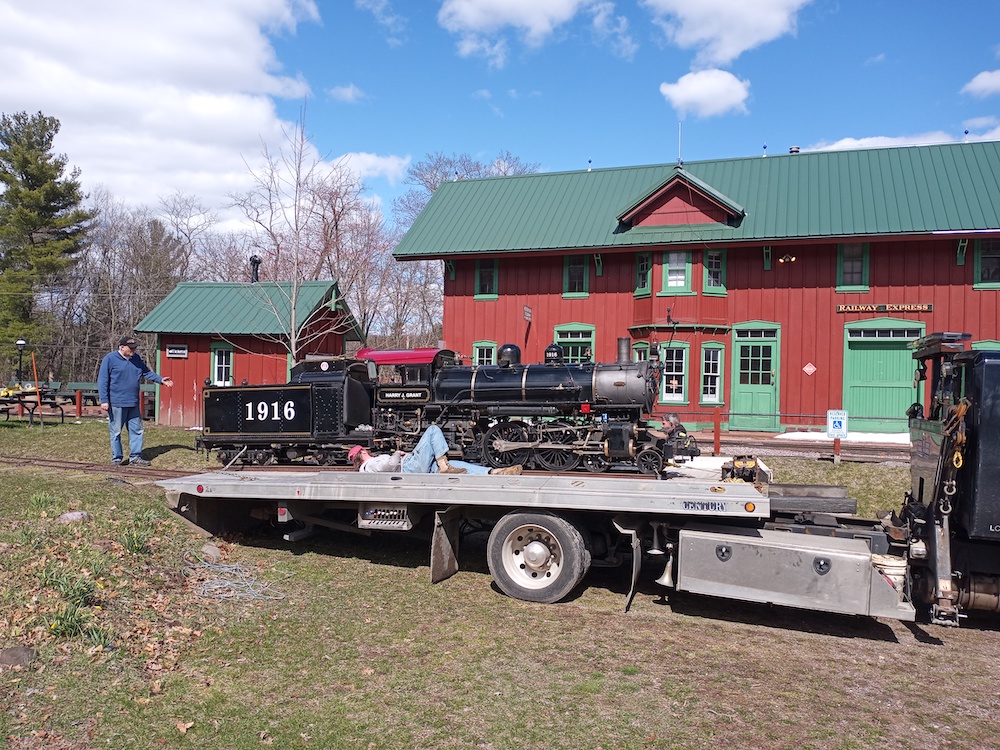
228	308
821	194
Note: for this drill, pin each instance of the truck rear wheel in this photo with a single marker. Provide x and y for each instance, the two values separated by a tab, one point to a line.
537	556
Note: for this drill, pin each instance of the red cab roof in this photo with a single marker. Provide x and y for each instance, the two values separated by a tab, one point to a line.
422	356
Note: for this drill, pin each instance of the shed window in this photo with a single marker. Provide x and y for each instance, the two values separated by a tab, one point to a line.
222	364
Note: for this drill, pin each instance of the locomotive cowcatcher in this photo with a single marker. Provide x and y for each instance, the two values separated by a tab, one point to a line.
553	416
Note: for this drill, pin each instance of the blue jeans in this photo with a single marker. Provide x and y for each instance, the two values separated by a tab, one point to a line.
432	445
130	418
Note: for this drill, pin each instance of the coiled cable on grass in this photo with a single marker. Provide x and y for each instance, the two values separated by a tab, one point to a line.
227	581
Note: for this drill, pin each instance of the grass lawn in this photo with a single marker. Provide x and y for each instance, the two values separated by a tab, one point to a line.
341	641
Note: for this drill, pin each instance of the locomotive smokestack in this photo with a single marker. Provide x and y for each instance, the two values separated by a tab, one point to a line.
624	349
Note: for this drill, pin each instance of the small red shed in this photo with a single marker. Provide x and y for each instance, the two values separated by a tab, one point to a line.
230	333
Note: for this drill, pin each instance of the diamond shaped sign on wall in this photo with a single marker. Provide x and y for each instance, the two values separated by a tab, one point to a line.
809	369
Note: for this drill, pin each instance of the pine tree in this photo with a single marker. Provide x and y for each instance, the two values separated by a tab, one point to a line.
42	222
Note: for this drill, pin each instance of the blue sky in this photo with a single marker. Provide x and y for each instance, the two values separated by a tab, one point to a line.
180	95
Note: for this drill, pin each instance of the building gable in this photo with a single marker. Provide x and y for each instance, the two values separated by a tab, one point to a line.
683	200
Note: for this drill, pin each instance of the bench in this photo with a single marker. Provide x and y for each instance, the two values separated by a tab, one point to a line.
87	391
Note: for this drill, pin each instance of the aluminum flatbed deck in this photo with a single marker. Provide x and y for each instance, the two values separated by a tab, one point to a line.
694	497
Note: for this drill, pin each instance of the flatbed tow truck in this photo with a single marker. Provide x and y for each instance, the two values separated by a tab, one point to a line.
738	536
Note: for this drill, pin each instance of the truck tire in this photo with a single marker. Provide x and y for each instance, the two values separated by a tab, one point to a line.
537	556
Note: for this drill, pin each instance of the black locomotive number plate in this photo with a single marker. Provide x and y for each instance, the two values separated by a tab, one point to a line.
258	411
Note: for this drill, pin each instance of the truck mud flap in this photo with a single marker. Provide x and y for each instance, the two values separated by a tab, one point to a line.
444	544
630	528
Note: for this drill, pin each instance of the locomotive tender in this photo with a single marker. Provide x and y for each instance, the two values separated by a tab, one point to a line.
552	416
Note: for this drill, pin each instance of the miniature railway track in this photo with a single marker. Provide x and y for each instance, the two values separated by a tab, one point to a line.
149	473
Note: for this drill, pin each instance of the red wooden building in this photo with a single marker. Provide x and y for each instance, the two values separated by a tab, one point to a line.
229	333
773	288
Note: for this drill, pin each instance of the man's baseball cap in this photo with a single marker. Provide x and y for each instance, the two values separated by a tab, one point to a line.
354	451
128	341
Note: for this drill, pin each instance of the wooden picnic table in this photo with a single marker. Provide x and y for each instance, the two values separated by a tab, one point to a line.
30	401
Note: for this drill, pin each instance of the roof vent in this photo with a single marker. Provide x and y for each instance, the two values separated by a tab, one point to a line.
793	150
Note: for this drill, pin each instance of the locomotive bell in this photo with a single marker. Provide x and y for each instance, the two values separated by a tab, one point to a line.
509	354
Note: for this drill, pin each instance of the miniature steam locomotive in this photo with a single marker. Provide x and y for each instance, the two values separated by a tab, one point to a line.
552	416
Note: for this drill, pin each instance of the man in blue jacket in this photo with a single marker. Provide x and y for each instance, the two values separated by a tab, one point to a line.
118	389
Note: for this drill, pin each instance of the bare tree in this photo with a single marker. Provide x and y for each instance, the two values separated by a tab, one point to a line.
305	215
427	175
190	222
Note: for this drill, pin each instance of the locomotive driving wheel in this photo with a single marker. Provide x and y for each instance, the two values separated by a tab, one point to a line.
596	463
512	432
557	459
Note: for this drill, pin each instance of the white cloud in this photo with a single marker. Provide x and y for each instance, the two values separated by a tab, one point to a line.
722	30
392	168
481	24
707	93
883	141
153	97
387	17
613	30
349	93
536	20
979	123
984	84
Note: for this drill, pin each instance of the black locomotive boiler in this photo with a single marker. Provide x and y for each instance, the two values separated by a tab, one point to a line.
552	416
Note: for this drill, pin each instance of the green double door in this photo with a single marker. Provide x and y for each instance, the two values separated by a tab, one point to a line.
756	366
878	374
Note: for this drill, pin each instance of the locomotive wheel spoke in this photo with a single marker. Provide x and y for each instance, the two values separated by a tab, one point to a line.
557	459
649	461
596	463
514	432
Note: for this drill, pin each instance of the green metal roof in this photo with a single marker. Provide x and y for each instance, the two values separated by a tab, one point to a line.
820	194
260	309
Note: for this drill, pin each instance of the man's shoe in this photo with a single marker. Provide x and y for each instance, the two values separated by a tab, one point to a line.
509	470
139	462
449	469
116	462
